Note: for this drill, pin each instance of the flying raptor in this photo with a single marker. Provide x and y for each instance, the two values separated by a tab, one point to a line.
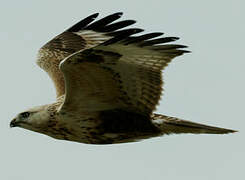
108	82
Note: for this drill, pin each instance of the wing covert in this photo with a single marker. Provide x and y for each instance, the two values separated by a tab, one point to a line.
124	72
85	34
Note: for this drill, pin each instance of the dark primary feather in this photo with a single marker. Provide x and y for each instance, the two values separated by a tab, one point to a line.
101	25
83	23
141	38
117	25
104	21
70	42
121	35
73	40
159	41
111	28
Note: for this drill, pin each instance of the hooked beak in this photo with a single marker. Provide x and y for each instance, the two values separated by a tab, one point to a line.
13	123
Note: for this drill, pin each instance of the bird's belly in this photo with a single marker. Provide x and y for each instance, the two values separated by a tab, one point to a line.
104	128
83	130
90	133
89	137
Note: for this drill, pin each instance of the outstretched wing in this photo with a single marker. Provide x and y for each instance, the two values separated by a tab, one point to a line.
85	34
122	73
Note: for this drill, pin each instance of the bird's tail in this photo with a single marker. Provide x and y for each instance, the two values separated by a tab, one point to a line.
172	125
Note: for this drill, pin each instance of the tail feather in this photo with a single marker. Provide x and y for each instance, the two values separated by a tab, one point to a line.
169	125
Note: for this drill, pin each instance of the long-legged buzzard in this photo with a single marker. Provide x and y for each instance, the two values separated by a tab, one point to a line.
108	83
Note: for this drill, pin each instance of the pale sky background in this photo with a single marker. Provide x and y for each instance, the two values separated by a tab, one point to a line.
206	86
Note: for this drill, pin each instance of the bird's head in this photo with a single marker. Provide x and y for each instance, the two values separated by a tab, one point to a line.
32	119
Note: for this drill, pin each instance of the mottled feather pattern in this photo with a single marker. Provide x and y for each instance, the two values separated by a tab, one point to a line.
108	81
138	81
87	34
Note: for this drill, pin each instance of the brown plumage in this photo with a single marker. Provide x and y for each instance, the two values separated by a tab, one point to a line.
108	83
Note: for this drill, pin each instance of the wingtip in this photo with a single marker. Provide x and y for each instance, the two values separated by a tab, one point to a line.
119	14
187	51
175	38
183	49
137	30
83	23
93	16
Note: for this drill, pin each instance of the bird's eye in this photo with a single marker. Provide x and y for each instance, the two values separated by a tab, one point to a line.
25	115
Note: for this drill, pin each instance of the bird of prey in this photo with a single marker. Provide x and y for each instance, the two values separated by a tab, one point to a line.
108	83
